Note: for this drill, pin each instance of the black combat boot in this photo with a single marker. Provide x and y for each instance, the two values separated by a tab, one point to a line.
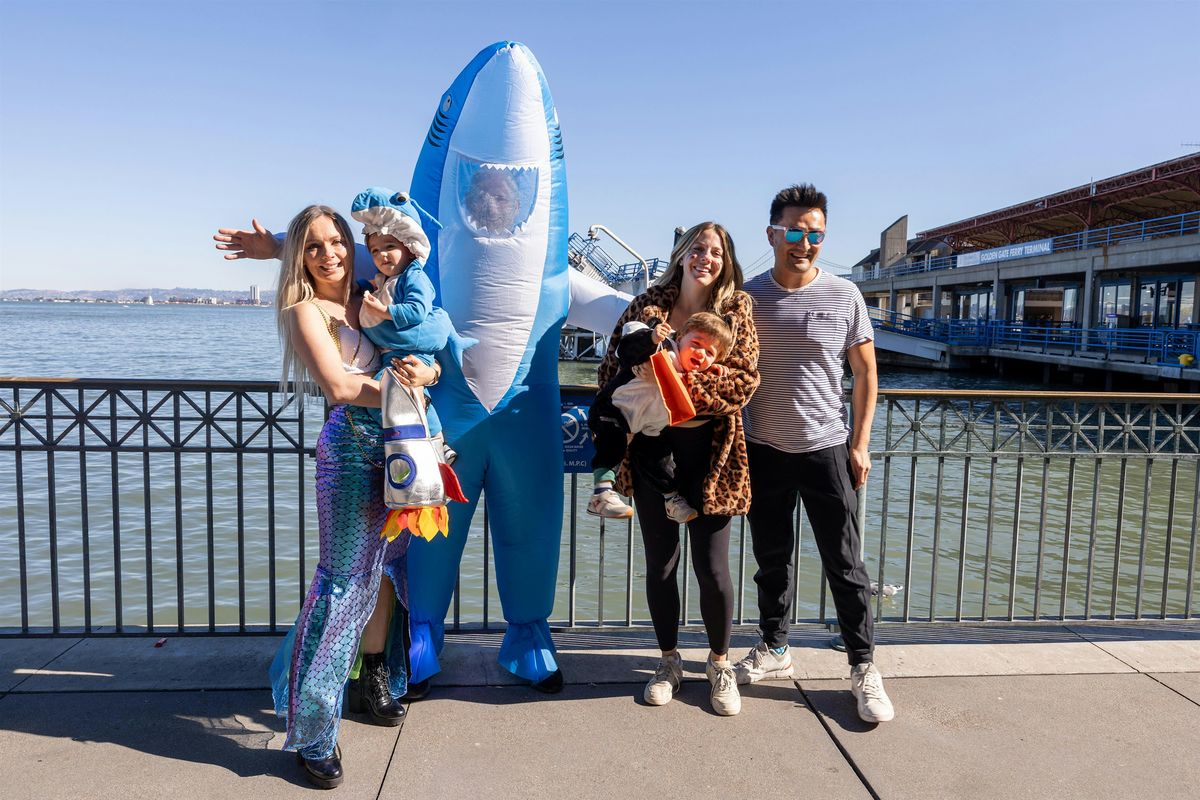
370	694
324	773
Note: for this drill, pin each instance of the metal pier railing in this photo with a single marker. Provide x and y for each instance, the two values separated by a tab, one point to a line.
1147	344
152	507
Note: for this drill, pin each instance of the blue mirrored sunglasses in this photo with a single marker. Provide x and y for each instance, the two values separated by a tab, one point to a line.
794	235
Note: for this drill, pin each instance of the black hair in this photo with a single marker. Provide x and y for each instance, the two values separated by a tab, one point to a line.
800	195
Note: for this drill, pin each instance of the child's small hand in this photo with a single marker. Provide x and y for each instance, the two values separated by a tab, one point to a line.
373	311
717	369
662	331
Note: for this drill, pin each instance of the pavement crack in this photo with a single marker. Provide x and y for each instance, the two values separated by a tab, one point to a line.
392	756
836	742
1104	650
1172	688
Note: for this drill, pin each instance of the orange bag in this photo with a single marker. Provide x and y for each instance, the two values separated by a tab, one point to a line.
670	385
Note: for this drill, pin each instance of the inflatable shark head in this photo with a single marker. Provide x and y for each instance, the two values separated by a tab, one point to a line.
492	168
394	213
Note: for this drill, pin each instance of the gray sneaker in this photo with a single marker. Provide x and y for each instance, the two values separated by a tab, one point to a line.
867	685
760	664
678	509
724	696
665	682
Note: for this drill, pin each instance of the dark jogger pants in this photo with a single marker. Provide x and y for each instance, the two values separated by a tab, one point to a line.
821	479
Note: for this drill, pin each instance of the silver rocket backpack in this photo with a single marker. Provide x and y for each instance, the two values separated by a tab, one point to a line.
417	481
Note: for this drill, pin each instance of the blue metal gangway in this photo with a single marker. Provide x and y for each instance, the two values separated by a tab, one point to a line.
587	251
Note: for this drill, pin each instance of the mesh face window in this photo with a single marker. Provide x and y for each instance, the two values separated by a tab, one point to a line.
495	201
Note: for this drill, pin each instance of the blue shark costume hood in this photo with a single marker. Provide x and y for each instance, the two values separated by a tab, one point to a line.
386	212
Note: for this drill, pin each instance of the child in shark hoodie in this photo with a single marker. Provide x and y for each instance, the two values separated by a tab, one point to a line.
392	229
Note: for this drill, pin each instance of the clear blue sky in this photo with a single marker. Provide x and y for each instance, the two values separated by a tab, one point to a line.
129	131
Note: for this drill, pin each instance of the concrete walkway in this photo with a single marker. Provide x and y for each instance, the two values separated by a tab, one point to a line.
995	711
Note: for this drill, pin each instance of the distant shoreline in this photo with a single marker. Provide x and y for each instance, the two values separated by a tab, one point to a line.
140	301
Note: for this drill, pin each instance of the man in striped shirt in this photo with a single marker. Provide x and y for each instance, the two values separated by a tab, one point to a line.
810	323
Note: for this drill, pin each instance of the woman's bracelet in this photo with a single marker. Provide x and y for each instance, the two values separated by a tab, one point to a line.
437	374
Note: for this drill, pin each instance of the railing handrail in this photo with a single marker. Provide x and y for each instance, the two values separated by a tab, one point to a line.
591	389
143	383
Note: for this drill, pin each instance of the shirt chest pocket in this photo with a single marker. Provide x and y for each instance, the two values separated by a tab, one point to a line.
824	326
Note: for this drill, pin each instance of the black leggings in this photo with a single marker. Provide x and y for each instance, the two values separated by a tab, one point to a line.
692	448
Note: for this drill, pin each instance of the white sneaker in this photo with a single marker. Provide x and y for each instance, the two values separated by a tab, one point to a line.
760	664
724	696
867	685
678	509
665	682
608	504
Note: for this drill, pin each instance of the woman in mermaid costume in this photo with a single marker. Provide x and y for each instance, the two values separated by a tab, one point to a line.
322	343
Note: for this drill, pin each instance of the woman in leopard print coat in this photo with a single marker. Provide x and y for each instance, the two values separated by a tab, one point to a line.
709	452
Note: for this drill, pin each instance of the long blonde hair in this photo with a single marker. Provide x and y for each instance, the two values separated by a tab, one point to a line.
729	280
296	286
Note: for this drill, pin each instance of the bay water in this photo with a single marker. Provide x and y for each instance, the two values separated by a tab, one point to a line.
946	515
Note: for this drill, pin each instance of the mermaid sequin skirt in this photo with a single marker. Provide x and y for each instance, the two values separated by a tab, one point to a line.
310	670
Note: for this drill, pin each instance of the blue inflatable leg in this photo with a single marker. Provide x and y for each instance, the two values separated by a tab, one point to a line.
524	498
433	566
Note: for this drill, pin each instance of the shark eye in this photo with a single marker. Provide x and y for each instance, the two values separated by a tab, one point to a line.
447	101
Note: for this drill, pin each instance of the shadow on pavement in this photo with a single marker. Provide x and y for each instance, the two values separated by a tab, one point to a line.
228	729
838	708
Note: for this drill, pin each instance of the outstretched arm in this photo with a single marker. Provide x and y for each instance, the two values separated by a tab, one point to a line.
260	243
257	243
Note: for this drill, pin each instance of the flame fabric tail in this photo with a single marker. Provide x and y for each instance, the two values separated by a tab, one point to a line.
426	522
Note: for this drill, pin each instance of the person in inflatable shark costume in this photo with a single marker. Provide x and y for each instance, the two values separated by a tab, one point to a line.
492	167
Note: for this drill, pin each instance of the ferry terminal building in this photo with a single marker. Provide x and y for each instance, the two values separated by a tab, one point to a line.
1097	277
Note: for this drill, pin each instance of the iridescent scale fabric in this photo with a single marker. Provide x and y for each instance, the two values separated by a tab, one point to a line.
310	670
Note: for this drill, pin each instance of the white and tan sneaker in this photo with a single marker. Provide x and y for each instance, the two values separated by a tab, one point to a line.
762	664
724	696
867	685
608	504
663	685
678	509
